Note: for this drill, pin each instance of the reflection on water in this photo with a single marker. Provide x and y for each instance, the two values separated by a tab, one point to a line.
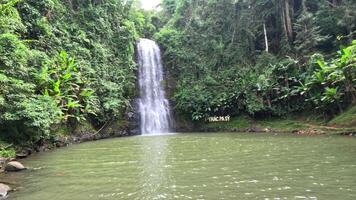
194	166
154	177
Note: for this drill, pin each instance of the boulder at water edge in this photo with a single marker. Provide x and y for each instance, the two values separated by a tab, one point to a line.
14	166
4	189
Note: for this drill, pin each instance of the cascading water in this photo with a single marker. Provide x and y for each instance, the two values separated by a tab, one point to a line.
154	108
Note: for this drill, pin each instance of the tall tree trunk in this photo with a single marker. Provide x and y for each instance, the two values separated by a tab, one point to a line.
266	38
233	35
269	101
282	8
291	6
288	20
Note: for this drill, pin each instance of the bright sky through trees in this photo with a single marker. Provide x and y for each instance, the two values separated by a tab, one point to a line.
149	4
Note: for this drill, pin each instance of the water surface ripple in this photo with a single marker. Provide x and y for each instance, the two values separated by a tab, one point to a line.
194	166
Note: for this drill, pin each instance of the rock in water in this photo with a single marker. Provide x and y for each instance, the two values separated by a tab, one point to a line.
14	166
4	189
21	155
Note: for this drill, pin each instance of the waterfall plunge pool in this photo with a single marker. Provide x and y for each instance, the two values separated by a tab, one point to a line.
193	166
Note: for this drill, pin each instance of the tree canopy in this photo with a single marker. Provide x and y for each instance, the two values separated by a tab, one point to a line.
64	62
69	61
264	58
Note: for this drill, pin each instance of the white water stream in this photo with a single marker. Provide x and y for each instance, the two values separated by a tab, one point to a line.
154	109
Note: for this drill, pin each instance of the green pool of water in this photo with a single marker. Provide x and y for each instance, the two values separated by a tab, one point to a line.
193	166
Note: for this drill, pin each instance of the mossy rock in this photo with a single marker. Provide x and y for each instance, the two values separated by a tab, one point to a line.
84	128
62	130
115	128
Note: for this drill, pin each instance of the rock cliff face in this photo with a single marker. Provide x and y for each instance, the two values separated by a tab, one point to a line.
133	118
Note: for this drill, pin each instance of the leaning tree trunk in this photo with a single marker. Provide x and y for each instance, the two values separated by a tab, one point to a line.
266	38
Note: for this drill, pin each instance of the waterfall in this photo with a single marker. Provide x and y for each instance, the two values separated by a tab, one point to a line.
154	110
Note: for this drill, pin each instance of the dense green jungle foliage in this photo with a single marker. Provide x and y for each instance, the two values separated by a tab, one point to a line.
260	57
65	61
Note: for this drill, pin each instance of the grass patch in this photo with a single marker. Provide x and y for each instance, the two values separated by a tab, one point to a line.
345	119
310	124
240	122
6	150
245	122
281	124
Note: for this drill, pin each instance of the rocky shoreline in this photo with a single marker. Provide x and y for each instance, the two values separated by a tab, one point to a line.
8	166
80	135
